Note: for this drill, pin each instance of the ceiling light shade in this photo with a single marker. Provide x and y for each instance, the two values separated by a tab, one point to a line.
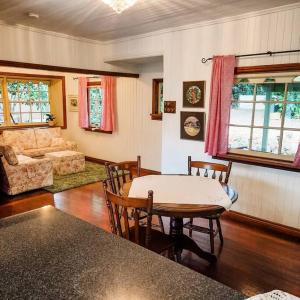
119	5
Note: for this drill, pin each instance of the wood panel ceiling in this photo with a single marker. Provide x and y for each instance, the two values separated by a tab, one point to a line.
95	20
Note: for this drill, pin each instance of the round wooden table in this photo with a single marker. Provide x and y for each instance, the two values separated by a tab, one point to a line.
177	212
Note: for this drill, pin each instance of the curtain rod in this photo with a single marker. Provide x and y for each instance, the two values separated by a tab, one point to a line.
204	60
76	78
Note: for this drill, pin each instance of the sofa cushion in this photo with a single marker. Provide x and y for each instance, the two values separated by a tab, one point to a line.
42	151
57	142
43	137
21	139
9	154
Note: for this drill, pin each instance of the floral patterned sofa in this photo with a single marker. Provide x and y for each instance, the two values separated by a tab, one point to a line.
36	142
21	173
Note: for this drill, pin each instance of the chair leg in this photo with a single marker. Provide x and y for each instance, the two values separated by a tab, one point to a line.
161	224
191	230
211	235
219	229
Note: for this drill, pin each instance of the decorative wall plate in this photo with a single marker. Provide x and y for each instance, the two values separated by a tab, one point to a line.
192	125
193	93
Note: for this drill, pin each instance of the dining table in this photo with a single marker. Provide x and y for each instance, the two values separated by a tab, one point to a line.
48	254
183	196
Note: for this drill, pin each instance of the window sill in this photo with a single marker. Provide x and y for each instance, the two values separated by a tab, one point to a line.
97	130
21	126
259	161
156	117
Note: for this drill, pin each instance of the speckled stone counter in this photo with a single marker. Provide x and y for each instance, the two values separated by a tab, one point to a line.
46	254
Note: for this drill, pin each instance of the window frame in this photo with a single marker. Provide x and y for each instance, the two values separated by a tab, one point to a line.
6	76
90	128
156	115
260	159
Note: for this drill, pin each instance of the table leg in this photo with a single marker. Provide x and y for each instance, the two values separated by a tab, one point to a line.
185	242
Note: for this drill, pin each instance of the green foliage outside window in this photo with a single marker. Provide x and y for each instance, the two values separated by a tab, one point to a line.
95	106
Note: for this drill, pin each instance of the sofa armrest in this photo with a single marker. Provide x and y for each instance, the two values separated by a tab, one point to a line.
71	145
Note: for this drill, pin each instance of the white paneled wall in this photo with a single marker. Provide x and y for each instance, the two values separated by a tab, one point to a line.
263	192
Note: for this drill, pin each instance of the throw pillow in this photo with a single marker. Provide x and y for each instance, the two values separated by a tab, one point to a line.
9	154
57	142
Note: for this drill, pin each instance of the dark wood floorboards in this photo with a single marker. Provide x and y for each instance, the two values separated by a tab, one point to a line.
251	261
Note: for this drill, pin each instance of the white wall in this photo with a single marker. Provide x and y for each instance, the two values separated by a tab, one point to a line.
265	193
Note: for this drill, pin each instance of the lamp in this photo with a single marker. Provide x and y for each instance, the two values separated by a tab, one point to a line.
119	5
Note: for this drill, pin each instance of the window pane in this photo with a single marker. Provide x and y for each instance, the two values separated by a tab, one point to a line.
14	107
1	108
241	113
34	96
26	118
270	92
1	118
239	137
95	102
25	106
36	107
290	142
292	116
23	96
44	96
12	85
266	140
12	96
15	118
36	117
44	117
43	86
268	114
45	107
160	97
293	92
243	92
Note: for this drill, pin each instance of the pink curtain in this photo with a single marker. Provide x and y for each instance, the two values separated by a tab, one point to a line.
108	105
297	158
83	103
219	107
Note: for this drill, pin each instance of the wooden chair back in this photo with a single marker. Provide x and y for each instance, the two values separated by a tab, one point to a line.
120	173
210	169
119	209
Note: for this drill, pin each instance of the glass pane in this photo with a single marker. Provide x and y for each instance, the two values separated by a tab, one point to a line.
36	107
14	107
44	117
268	114
33	86
43	86
25	107
239	137
36	117
243	92
270	92
266	140
290	142
34	96
293	92
241	113
26	118
95	93
45	107
12	85
1	107
95	97
15	118
23	87
23	96
44	96
160	97
1	118
292	116
12	96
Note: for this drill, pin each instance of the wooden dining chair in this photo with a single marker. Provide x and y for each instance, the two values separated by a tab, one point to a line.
131	229
123	172
215	171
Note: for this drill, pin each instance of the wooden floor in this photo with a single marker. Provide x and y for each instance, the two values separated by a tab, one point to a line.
251	261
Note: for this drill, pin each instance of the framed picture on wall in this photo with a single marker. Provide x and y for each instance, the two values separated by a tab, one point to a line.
192	126
193	93
73	102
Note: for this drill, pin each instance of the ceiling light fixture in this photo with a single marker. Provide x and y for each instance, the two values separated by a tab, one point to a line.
119	5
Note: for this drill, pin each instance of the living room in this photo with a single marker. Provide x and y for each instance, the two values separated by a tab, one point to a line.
111	87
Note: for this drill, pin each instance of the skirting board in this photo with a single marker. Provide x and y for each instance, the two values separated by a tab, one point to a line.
281	230
286	232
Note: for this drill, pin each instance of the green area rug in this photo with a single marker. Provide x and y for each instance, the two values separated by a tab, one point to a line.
93	173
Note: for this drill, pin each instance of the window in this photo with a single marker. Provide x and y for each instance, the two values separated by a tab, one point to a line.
157	99
95	104
265	115
26	99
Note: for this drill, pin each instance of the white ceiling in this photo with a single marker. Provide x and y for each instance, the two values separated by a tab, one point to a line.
95	20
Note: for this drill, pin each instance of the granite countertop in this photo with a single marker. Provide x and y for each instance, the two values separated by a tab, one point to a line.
47	254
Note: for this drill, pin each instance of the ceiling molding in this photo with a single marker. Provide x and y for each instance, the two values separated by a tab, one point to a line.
205	23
